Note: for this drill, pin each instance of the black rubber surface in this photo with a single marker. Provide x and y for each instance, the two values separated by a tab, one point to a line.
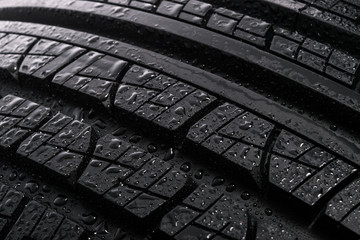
179	119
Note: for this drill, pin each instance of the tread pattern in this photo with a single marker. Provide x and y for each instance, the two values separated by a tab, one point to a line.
113	162
296	166
109	167
320	57
125	176
33	220
294	62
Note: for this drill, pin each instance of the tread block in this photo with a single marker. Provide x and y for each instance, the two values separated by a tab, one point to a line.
268	230
177	219
316	157
44	153
130	98
43	46
98	89
9	103
342	203
144	205
68	230
217	143
138	75
18	45
10	202
121	195
311	60
149	111
35	118
8	38
7	123
340	75
3	190
9	61
12	137
344	62
290	145
221	23
134	157
31	143
193	232
27	221
68	134
224	211
151	172
56	123
170	9
352	221
160	82
248	128
250	38
32	63
170	184
236	229
75	83
76	66
317	47
284	47
110	147
197	8
106	67
47	226
229	13
255	26
291	35
202	197
25	109
141	5
190	18
287	174
58	49
347	10
173	94
211	122
100	176
83	143
66	165
177	115
58	62
322	182
245	156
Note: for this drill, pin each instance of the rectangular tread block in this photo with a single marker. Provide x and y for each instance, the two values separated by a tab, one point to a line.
284	47
68	230
202	197
76	66
287	174
100	176
27	221
249	128
130	98
321	183
110	147
182	216
149	173
343	202
221	23
177	115
47	225
211	122
254	26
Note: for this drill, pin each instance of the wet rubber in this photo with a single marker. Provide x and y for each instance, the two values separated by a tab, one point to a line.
179	120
